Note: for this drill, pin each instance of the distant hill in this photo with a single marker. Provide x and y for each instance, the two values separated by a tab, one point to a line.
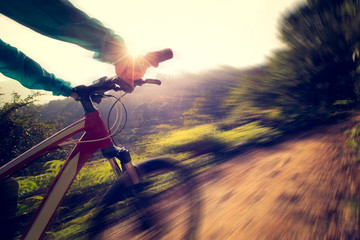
7	87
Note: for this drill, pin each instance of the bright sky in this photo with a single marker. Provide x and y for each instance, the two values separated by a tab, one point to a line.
202	33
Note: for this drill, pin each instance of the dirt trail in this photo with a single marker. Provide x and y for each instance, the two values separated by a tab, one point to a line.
303	188
298	189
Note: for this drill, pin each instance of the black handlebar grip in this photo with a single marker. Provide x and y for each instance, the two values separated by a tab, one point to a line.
153	81
157	57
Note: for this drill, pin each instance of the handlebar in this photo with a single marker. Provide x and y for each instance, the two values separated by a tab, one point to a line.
104	84
157	57
97	90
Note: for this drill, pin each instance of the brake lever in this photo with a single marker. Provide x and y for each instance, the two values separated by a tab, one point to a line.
124	86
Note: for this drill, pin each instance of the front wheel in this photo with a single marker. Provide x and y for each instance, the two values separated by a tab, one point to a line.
166	202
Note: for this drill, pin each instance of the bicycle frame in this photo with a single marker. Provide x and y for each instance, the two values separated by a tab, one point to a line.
94	128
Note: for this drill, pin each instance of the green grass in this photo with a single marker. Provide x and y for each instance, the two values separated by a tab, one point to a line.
209	138
195	146
353	136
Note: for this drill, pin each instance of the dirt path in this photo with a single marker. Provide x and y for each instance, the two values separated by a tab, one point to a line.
303	188
295	190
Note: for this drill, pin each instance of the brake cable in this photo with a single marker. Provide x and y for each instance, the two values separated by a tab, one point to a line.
153	81
117	130
75	141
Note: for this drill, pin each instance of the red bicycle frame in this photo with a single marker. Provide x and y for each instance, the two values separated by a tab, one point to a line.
95	137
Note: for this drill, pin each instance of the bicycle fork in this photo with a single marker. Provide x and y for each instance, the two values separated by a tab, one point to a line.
113	152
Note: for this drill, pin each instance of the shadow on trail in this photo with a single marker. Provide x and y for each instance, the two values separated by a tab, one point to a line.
168	204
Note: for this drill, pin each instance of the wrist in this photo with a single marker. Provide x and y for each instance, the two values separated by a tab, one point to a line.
113	50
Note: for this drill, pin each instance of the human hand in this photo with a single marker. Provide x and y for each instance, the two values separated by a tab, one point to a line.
132	68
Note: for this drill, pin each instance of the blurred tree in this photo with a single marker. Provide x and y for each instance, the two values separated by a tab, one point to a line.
253	89
317	42
318	65
21	129
325	4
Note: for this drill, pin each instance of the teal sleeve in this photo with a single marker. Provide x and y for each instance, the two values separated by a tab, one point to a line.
15	64
59	19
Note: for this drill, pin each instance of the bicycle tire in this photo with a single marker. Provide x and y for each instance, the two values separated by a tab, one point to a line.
154	207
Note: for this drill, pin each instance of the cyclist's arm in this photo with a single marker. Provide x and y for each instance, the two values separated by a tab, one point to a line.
59	19
15	64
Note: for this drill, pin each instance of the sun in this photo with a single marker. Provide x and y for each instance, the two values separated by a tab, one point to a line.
134	51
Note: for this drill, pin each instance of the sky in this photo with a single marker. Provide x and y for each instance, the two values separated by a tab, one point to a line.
203	34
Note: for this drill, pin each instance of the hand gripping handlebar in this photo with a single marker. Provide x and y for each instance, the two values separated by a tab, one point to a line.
104	84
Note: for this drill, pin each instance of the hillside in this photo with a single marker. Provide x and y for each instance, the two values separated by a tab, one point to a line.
10	86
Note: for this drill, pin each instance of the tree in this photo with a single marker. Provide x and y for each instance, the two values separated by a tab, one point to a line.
327	35
21	129
317	67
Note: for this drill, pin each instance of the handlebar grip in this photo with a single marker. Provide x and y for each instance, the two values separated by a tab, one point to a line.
153	81
157	57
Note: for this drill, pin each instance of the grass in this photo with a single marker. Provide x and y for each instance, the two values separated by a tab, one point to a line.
196	146
199	147
207	138
353	140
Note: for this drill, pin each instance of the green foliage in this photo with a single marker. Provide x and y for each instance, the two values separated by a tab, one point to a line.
253	89
21	129
26	186
182	137
71	229
94	173
209	138
53	166
322	52
31	186
193	116
353	140
13	133
205	140
317	68
245	134
165	127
